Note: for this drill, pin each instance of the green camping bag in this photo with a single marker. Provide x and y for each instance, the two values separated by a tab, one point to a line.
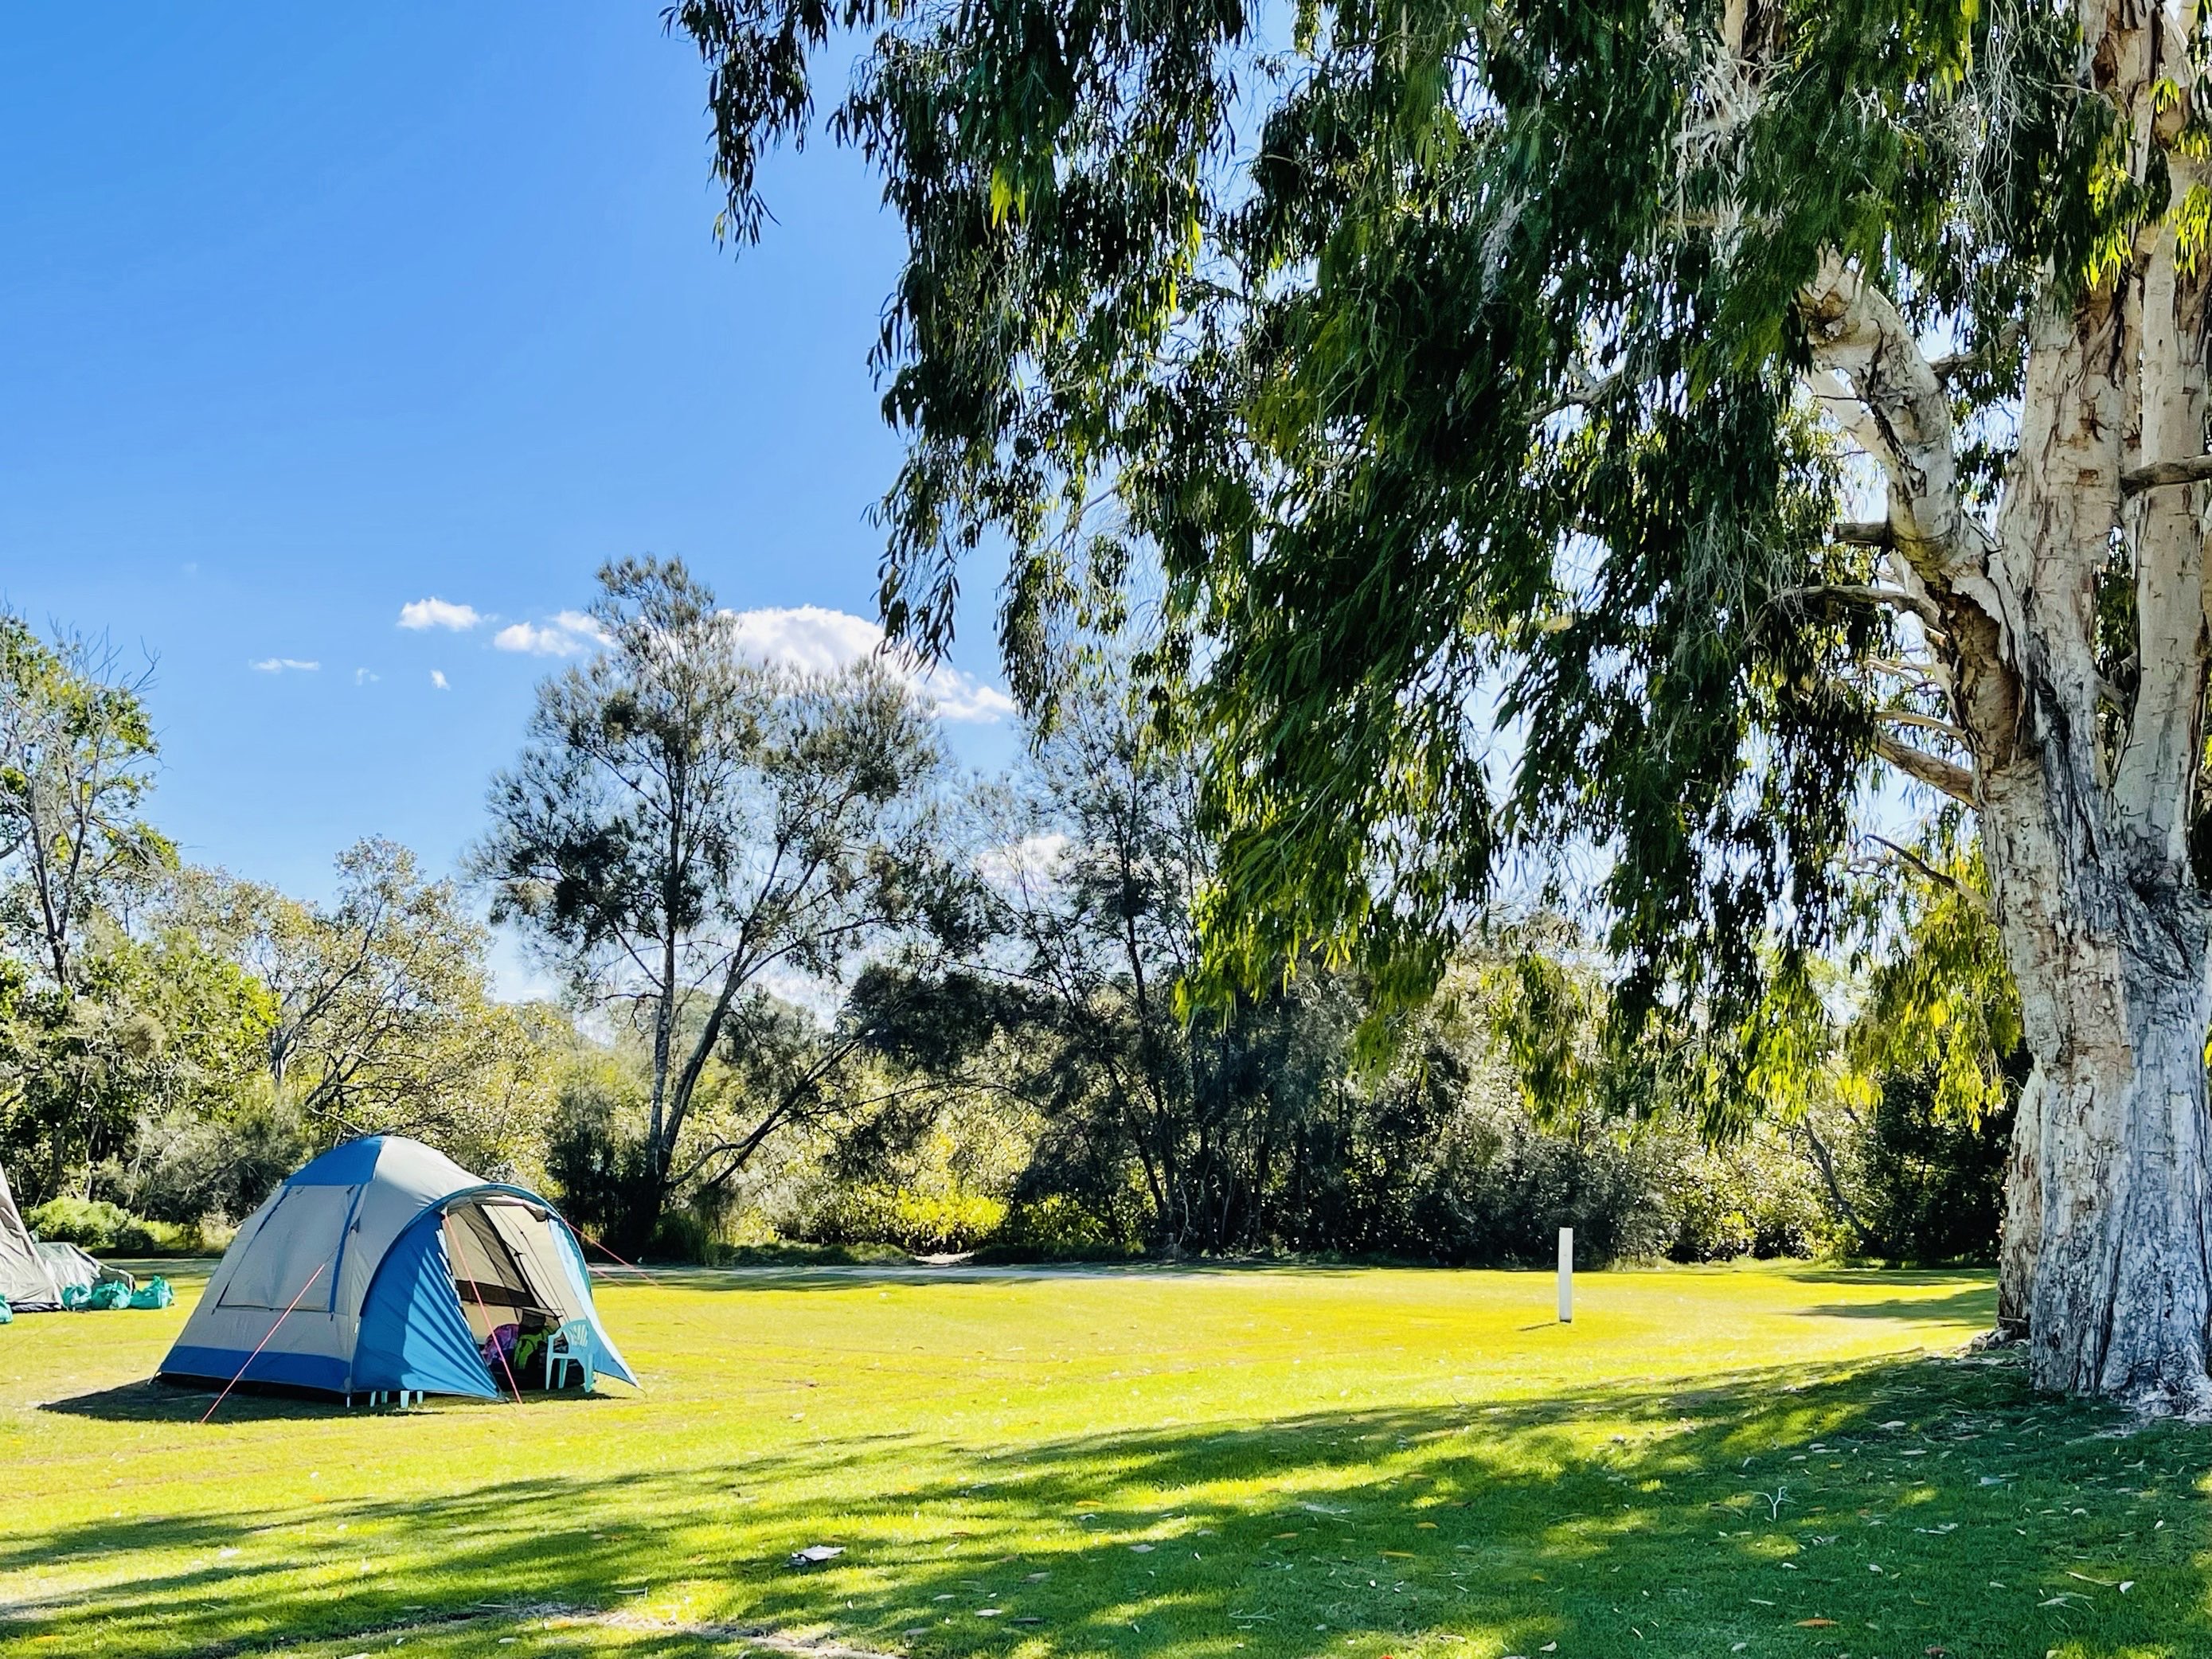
153	1293
7	1313
95	1298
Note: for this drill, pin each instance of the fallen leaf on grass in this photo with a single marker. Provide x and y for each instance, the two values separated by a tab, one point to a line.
1141	1549
1397	1555
1816	1624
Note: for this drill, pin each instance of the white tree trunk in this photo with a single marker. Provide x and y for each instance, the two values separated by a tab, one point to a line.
2107	1258
2086	791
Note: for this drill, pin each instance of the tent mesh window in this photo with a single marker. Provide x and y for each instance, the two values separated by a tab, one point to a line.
300	1234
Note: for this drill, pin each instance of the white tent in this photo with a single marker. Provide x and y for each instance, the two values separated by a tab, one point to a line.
382	1266
26	1281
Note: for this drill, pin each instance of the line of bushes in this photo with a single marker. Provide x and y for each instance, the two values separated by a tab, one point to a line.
108	1228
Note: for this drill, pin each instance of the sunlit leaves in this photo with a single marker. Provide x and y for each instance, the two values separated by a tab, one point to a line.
1446	371
1940	998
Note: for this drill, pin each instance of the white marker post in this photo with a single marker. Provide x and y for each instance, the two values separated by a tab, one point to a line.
1566	1275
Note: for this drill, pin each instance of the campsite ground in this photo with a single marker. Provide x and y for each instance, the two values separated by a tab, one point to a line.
1321	1463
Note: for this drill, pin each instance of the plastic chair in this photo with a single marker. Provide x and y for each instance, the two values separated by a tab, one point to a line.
570	1346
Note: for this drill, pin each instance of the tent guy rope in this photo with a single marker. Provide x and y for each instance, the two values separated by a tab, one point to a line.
264	1343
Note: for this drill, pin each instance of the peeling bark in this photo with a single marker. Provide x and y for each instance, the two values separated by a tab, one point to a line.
2086	796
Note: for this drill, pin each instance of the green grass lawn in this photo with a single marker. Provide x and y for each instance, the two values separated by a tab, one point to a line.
1771	1461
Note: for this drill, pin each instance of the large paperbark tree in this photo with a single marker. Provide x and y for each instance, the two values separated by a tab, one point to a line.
1493	384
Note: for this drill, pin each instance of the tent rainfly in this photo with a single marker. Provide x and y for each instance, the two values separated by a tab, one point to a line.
398	1267
26	1279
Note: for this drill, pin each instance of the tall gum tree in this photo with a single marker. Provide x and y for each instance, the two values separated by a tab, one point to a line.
1506	370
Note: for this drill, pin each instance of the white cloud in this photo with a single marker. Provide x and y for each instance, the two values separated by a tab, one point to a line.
280	665
568	632
584	625
365	677
1033	860
818	641
438	679
438	613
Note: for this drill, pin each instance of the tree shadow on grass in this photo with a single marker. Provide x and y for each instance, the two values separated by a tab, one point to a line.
1825	1273
848	1276
1657	1523
1975	1303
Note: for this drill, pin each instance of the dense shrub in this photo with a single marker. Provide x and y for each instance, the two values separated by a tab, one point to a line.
924	1222
681	1236
93	1223
191	1170
1932	1181
1760	1197
599	1167
107	1229
1467	1178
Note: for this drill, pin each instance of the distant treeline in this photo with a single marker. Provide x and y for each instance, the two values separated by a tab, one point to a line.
815	986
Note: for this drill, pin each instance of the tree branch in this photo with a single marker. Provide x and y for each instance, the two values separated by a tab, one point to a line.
1925	722
1579	396
1929	872
1953	365
1826	1165
1863	532
2197	468
1873	379
1955	781
1865	594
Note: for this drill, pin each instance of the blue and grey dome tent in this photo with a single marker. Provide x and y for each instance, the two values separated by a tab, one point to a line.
397	1266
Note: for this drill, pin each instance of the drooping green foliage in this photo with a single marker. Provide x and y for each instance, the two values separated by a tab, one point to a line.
1940	1000
1446	364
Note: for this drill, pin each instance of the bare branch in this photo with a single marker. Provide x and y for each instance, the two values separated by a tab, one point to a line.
1579	396
1929	872
1872	379
1863	532
1955	781
1925	722
2197	468
1955	365
1864	593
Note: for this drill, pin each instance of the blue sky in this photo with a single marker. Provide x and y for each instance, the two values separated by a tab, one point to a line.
307	315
